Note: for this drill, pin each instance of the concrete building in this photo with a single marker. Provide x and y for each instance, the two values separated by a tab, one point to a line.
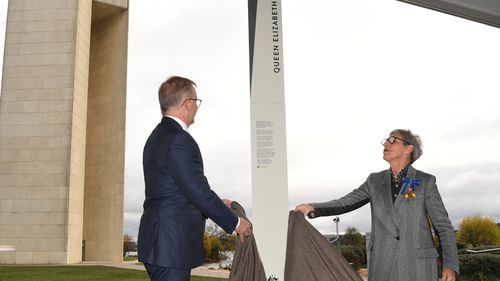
62	131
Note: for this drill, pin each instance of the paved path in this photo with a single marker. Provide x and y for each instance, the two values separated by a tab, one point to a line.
199	271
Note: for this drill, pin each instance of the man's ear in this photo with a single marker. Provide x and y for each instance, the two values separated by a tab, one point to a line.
187	105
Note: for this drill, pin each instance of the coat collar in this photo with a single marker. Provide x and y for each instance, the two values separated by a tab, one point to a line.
412	172
178	122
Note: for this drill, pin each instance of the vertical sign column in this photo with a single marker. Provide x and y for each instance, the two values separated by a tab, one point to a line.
269	162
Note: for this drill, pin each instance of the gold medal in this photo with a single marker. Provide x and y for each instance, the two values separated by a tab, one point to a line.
410	194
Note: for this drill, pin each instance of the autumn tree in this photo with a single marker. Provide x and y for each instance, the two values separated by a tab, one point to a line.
212	248
216	241
478	231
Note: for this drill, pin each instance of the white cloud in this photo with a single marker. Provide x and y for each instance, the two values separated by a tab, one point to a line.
468	178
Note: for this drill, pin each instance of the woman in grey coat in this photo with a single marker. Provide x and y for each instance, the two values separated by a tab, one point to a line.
405	204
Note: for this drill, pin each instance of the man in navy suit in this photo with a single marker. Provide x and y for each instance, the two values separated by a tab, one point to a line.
178	196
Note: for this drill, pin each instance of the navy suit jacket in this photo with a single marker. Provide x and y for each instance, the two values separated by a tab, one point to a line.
178	200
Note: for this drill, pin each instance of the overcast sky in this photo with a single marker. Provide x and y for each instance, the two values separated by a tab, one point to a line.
354	70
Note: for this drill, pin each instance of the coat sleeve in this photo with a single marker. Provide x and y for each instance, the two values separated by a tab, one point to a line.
185	164
441	222
352	201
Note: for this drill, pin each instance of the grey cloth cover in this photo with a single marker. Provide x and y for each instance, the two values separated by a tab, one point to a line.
309	256
247	265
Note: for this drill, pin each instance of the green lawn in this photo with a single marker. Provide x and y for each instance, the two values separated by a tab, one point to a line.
130	258
78	273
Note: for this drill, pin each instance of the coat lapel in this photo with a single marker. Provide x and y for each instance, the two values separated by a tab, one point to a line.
386	195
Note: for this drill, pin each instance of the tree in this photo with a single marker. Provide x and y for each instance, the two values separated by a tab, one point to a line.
354	247
353	237
129	244
478	231
216	241
228	242
212	248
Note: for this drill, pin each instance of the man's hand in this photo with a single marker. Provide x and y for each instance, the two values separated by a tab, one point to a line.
227	202
304	208
244	229
448	275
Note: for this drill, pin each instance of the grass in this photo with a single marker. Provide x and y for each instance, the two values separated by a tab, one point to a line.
130	258
78	273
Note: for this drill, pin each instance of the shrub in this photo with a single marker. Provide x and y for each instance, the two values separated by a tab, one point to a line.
480	248
461	245
354	255
479	267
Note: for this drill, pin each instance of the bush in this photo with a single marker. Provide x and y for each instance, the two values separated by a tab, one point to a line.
480	248
479	267
461	245
354	255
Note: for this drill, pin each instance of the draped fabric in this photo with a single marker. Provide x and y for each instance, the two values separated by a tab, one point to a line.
310	257
247	265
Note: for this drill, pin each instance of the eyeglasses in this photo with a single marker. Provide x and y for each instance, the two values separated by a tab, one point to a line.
392	139
198	102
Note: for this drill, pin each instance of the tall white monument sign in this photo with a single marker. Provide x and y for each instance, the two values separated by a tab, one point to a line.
269	161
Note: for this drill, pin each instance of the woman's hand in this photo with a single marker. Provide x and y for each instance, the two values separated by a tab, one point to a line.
304	208
448	275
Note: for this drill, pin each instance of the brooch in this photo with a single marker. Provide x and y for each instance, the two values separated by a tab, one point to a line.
408	189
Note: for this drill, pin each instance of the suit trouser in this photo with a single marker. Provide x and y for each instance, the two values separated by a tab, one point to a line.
159	273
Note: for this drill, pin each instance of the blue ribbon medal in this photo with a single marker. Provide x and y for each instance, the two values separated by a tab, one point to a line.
408	189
